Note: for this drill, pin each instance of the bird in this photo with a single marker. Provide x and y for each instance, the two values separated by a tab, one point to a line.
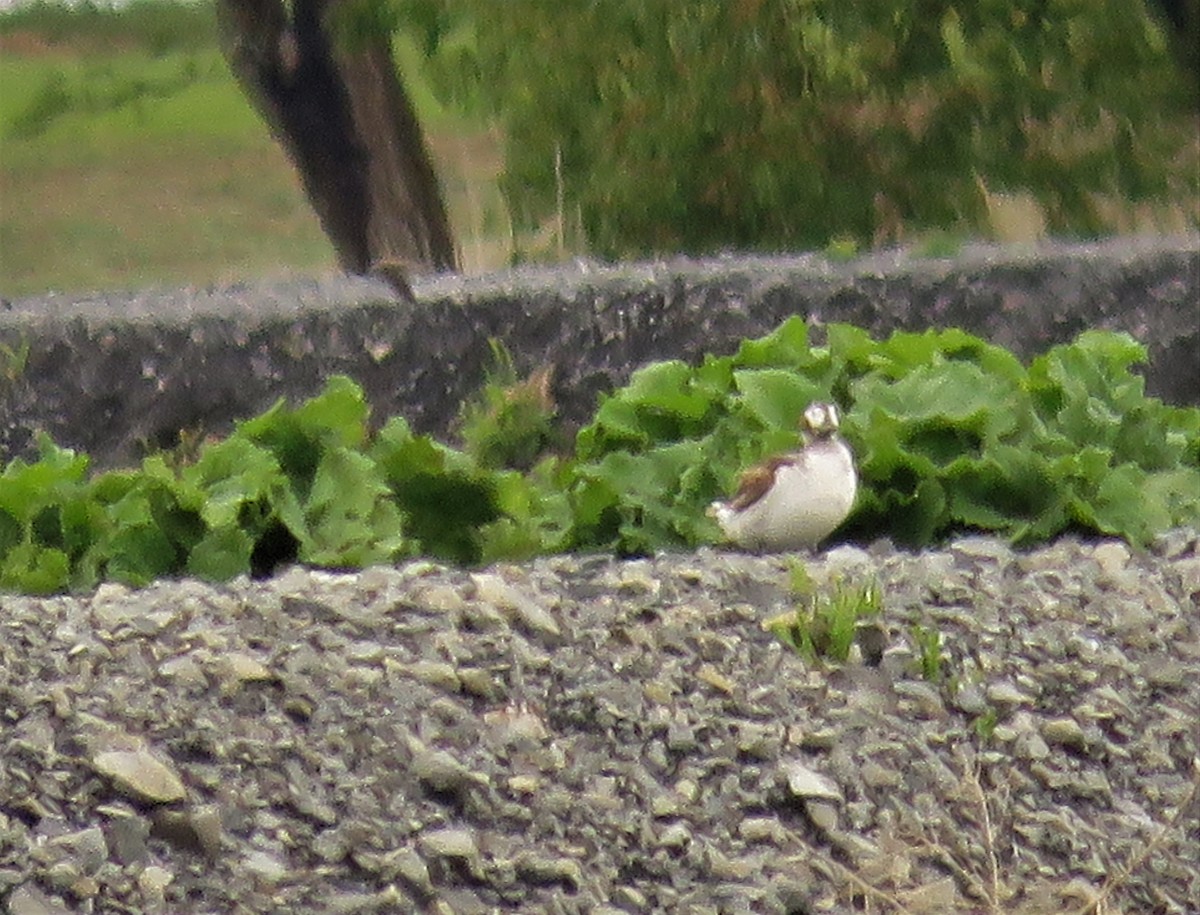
794	501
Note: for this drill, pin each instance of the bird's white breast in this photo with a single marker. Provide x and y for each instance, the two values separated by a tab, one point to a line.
807	501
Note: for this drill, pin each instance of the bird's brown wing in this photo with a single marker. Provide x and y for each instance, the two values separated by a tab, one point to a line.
755	482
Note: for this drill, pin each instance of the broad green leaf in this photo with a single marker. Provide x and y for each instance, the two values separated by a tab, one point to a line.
32	569
665	387
851	347
444	499
776	397
222	554
348	520
12	533
785	347
26	488
338	415
957	392
229	475
139	553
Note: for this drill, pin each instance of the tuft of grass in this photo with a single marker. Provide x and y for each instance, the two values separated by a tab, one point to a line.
928	644
13	360
985	725
841	248
824	626
941	245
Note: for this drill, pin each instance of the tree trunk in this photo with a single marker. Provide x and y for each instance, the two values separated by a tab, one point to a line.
336	106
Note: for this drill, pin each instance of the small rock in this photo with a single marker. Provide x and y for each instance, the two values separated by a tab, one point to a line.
1112	556
29	900
725	868
236	668
875	775
981	547
760	829
630	898
1064	732
492	589
1030	745
922	698
523	784
544	870
441	598
807	784
823	815
714	678
86	848
411	868
1166	675
970	699
663	806
140	774
1005	693
480	683
450	843
196	830
440	771
437	674
154	880
681	736
675	836
516	726
265	866
127	834
846	559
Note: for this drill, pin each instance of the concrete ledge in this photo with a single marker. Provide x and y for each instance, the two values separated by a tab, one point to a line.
114	374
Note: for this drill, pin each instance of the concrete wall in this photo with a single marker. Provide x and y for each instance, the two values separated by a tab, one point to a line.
111	374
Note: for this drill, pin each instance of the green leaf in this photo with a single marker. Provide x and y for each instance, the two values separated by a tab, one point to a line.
335	418
785	347
349	520
139	554
229	475
25	489
776	397
32	569
222	554
444	499
662	403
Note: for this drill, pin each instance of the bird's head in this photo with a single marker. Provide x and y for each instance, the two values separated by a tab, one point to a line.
820	419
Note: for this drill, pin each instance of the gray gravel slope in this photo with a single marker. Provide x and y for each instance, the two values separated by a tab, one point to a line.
581	734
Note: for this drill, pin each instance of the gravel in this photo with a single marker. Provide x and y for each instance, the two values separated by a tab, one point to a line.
584	734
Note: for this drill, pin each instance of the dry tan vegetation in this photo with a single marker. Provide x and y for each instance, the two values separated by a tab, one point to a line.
976	853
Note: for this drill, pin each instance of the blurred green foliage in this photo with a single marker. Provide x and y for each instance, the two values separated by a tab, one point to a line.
788	123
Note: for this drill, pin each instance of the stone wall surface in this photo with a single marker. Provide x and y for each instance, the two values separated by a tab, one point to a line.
114	374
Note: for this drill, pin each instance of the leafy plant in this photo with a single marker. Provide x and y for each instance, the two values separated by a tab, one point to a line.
949	433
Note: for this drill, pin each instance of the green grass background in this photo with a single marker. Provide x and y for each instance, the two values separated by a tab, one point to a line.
129	156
